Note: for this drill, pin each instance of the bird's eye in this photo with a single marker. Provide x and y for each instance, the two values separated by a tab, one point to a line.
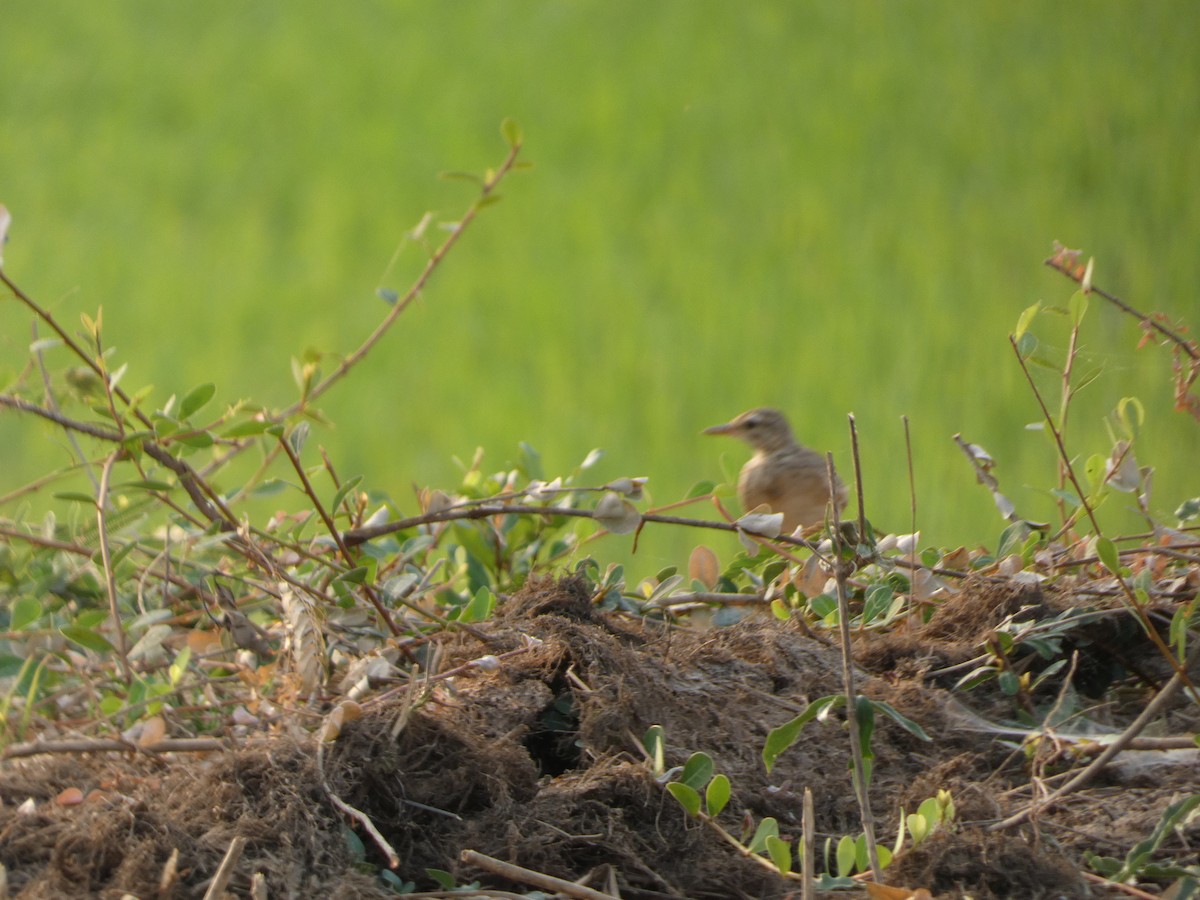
752	422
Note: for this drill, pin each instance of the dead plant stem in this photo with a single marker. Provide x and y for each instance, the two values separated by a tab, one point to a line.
110	578
859	773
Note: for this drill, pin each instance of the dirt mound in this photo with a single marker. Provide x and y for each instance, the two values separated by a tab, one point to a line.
535	758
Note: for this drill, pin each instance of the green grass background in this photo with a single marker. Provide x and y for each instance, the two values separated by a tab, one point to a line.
828	207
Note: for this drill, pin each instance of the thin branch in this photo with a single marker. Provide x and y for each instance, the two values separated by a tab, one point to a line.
216	888
1065	262
859	772
58	419
110	578
488	188
521	875
112	745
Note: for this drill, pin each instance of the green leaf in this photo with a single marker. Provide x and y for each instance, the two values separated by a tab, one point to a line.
357	575
1141	852
919	827
768	827
86	638
717	795
354	844
343	491
687	796
270	487
1025	318
781	738
178	668
510	130
877	601
1077	307
1106	550
1013	537
26	610
195	400
1026	345
247	429
443	878
76	497
697	770
780	852
530	462
903	721
146	484
700	489
846	856
298	437
480	607
197	440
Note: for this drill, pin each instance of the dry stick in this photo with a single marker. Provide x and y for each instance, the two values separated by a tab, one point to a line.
216	888
1130	597
485	510
528	876
1152	710
808	886
52	404
112	745
1064	407
1189	347
110	578
487	189
840	574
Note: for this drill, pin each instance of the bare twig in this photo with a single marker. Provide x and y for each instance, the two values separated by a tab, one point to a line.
859	773
487	190
112	745
1151	712
110	578
808	868
1065	262
216	888
522	875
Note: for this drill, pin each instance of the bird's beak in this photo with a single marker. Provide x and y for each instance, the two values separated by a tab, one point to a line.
727	428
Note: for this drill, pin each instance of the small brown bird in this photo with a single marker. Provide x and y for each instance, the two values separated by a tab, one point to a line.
784	475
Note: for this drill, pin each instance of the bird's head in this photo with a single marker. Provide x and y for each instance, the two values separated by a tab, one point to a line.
763	429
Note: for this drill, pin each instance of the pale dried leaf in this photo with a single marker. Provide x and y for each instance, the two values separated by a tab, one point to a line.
149	646
5	222
958	560
1011	564
617	514
306	642
154	729
630	487
703	566
810	579
1121	468
768	525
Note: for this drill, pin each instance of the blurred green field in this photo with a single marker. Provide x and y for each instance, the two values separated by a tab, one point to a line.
828	207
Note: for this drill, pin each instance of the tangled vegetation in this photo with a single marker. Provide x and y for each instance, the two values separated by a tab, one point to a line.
394	681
